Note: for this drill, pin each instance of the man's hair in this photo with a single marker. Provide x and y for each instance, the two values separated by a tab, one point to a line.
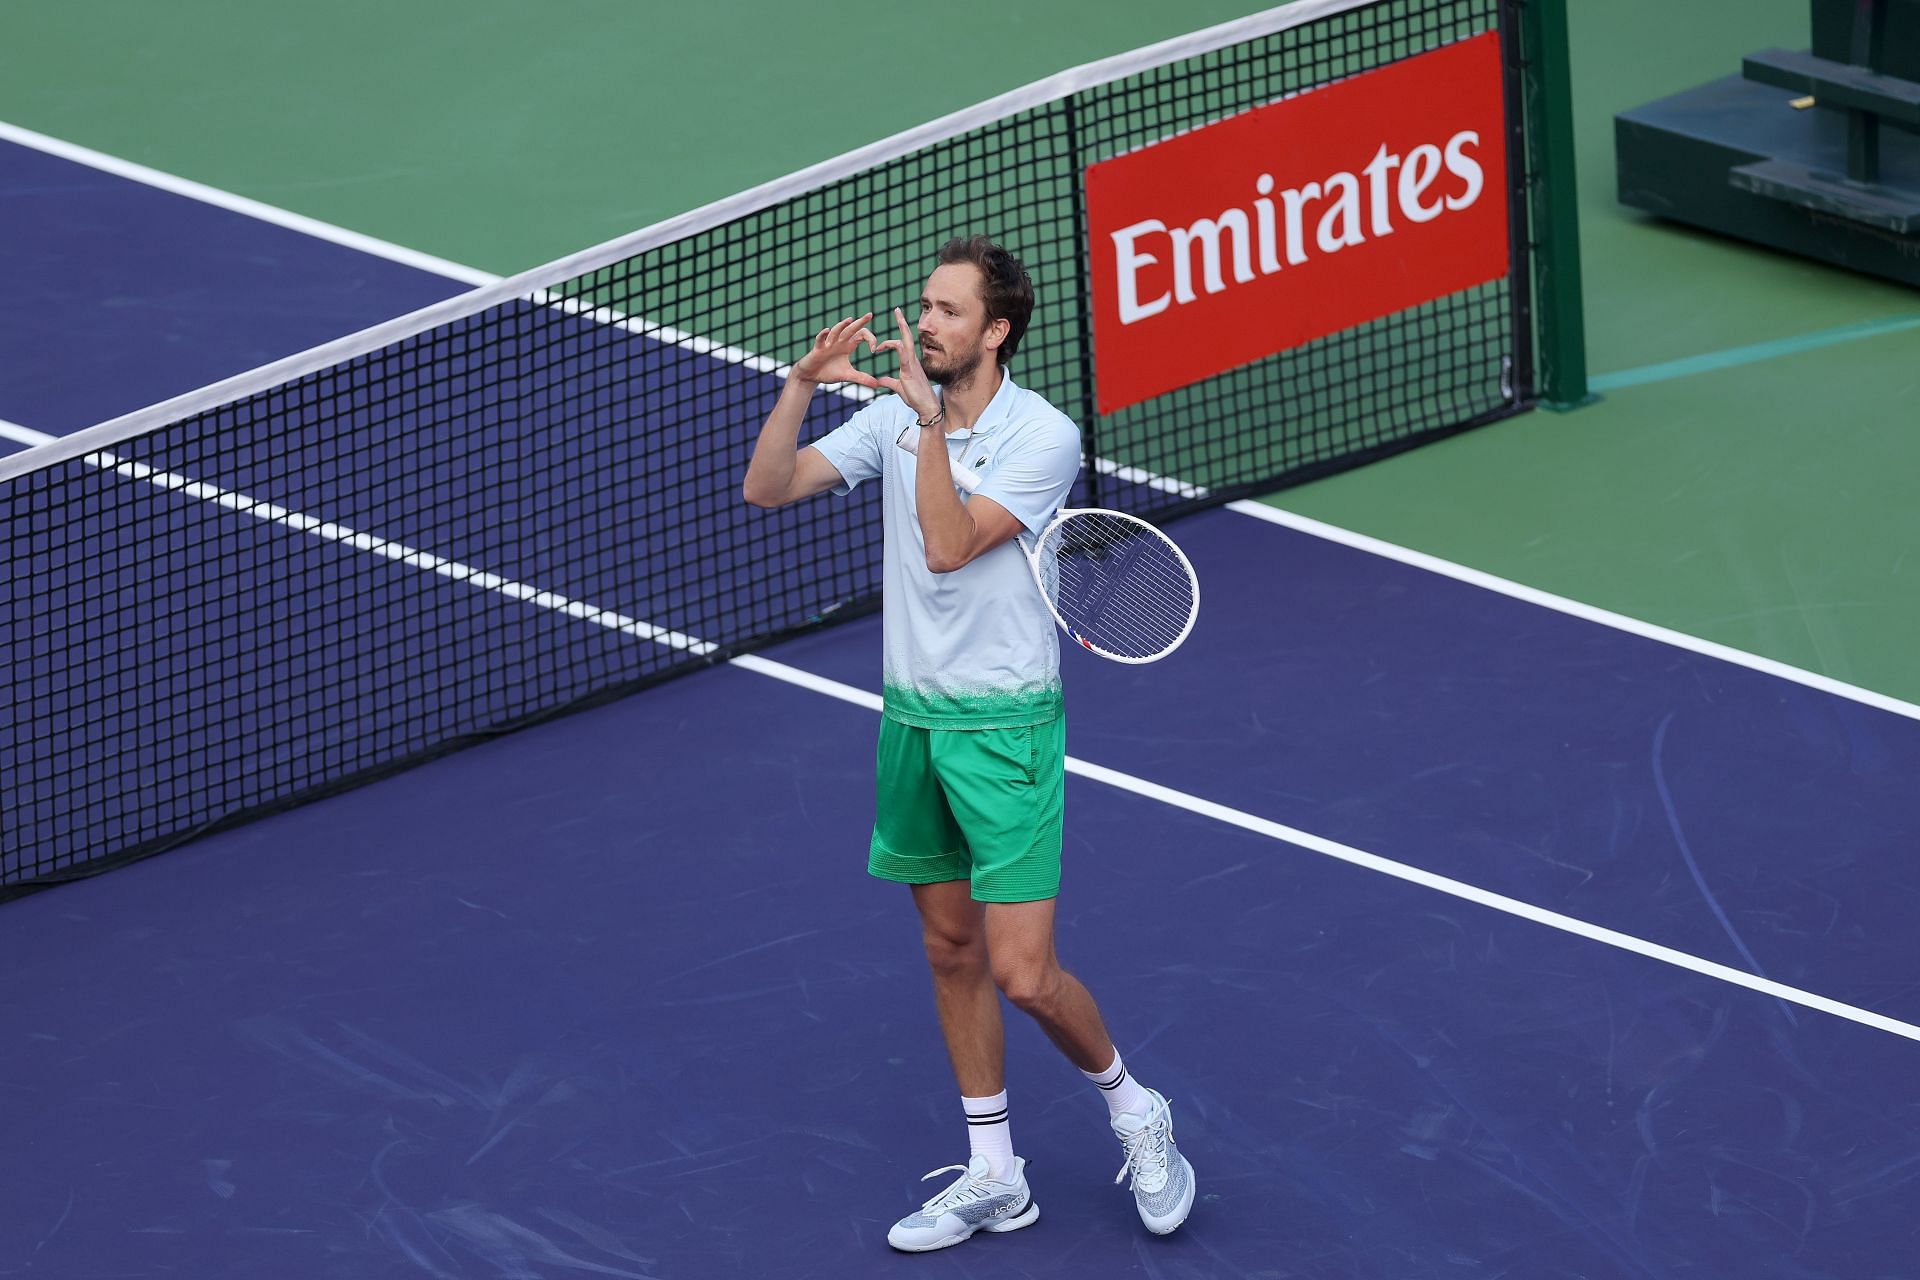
1004	285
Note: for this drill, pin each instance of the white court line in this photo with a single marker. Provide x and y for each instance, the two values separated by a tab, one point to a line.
23	435
412	557
1575	608
1388	867
240	204
1261	511
465	574
1267	22
1518	591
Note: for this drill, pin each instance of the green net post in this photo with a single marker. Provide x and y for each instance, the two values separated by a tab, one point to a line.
1556	216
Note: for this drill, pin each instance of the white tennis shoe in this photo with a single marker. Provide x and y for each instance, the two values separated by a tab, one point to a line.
974	1202
1162	1182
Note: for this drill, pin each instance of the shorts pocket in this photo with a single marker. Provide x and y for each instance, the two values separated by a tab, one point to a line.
1025	748
1007	757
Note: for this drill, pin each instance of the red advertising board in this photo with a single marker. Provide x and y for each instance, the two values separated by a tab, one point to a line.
1298	219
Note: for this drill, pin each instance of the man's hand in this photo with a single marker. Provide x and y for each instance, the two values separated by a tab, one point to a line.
911	386
831	359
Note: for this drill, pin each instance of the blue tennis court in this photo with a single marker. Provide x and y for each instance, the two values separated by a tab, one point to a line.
1470	935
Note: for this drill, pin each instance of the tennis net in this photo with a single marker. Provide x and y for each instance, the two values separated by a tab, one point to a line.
525	500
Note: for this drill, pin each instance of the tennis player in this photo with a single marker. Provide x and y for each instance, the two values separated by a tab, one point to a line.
972	754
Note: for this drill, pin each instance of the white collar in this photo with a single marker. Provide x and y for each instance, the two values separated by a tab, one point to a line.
997	411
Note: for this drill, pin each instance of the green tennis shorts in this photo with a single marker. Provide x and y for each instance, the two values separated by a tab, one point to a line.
971	804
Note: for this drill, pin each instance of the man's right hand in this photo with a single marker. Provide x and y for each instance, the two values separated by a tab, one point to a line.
831	359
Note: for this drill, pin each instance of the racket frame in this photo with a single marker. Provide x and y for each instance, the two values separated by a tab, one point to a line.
1193	581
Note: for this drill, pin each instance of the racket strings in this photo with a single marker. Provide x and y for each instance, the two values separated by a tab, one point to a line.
1118	584
1103	590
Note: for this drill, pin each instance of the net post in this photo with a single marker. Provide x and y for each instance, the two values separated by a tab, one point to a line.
1083	289
1520	365
1548	73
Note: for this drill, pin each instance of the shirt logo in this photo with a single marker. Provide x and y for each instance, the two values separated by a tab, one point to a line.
980	461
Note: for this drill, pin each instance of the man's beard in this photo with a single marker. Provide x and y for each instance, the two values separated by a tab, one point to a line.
956	370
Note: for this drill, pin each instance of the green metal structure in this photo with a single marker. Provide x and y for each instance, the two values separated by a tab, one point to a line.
1813	151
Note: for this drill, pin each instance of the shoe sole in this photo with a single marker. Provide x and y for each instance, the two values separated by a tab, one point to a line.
1026	1219
1180	1214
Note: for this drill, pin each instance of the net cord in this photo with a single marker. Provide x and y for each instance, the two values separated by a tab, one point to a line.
537	280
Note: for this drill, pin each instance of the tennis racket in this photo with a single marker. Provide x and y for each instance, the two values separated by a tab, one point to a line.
1117	586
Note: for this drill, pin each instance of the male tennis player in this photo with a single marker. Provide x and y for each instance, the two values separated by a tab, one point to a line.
972	756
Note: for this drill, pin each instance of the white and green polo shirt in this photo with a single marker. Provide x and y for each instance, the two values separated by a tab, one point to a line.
975	648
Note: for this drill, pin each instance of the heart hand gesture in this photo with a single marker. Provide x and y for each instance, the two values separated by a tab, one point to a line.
831	359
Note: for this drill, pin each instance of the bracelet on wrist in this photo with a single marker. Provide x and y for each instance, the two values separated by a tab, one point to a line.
939	417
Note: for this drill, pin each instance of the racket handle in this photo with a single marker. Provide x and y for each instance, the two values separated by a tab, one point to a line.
967	478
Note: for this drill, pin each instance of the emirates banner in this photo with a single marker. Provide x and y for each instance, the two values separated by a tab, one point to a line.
1295	220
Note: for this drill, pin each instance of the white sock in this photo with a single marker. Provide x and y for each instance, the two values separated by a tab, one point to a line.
1122	1092
989	1133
